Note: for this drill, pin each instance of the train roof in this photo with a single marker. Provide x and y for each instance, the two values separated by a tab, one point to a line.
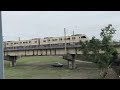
48	37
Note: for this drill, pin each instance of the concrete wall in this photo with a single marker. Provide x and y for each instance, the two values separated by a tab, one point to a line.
60	51
29	52
49	52
41	52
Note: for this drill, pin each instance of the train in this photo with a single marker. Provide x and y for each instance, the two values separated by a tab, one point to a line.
46	41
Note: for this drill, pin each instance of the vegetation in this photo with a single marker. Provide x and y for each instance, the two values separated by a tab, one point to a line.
102	51
39	67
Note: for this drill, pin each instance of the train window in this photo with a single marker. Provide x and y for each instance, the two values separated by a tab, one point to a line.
35	41
29	41
48	40
83	36
60	39
44	40
68	39
11	43
7	43
65	38
73	37
56	39
24	42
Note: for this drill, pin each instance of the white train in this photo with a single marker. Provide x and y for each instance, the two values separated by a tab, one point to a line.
48	41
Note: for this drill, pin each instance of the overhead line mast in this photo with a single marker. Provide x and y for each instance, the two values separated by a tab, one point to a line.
65	39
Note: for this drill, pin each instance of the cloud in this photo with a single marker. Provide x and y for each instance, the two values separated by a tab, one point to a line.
32	24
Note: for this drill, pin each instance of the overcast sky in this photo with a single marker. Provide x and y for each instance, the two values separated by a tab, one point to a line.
35	24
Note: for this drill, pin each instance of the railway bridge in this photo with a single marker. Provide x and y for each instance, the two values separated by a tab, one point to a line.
12	54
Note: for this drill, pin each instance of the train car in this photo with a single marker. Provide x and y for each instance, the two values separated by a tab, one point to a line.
47	41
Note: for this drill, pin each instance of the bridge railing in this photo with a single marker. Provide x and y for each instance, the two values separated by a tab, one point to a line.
36	47
49	46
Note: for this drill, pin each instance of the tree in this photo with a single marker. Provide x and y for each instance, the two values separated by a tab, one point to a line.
90	49
101	52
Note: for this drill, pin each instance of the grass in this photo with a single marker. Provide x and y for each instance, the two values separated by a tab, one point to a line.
39	67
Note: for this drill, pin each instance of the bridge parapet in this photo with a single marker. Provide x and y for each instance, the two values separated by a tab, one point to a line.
37	47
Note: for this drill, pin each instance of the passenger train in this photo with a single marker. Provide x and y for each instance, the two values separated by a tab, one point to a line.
45	42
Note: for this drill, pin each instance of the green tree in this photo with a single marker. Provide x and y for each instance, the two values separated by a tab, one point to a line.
90	49
101	52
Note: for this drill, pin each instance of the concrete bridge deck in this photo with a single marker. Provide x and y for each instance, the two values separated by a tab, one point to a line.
12	54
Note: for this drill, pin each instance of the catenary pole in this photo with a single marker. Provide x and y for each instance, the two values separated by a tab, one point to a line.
65	39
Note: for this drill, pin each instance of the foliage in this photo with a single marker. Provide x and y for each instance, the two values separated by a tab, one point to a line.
90	49
101	52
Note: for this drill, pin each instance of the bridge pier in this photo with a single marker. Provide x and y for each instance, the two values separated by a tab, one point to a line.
71	60
13	63
69	64
12	60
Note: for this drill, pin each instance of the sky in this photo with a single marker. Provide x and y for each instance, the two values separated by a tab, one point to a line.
39	24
